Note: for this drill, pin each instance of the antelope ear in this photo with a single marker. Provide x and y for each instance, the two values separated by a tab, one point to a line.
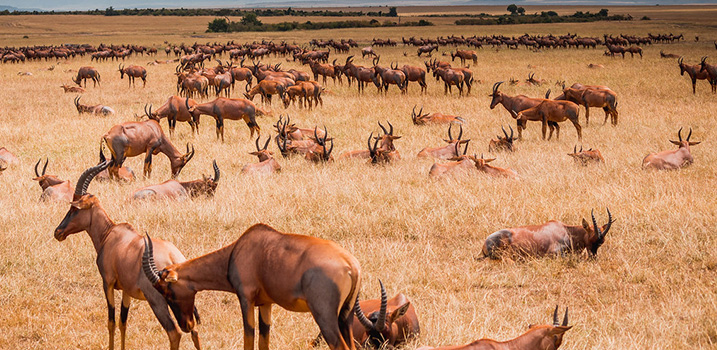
171	277
694	143
398	137
557	330
77	204
489	160
676	143
586	225
396	314
254	153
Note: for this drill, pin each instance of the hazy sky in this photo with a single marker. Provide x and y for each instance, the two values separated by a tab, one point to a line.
102	4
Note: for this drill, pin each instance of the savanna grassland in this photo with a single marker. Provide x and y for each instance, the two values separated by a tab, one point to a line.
652	285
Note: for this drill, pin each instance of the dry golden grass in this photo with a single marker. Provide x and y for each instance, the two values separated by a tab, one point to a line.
651	287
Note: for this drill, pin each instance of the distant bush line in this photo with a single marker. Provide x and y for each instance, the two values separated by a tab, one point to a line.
110	11
543	17
220	25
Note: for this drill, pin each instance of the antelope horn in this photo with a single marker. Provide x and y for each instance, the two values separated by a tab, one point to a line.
327	154
84	181
390	132
381	320
504	132
148	265
36	164
511	132
460	132
216	171
581	148
450	126
679	134
44	167
246	87
465	150
565	318
186	103
414	111
365	322
688	136
371	150
496	86
575	149
266	144
256	142
382	128
77	101
555	317
595	225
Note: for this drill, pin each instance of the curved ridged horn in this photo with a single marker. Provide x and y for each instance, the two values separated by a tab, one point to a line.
595	225
256	142
77	100
267	143
687	139
496	86
465	150
565	318
679	134
575	149
547	94
382	128
450	137
555	317
216	171
511	132
679	60
148	265
390	130
381	320
102	153
504	132
84	181
190	154
460	131
36	164
186	103
365	322
609	222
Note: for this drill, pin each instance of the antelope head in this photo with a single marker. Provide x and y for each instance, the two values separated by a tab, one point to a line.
177	292
45	181
686	143
121	70
596	234
261	152
460	135
149	113
209	183
79	217
178	163
683	67
78	105
380	325
546	336
325	154
388	137
418	117
496	95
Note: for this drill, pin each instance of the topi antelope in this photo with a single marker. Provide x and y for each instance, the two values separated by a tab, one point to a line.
131	139
94	110
434	118
85	73
228	108
133	72
119	250
516	104
464	55
320	152
503	143
267	164
451	150
175	109
538	337
482	165
75	89
391	322
310	275
711	69
550	238
675	159
585	158
695	72
461	164
588	97
176	190
383	149
668	55
552	111
53	189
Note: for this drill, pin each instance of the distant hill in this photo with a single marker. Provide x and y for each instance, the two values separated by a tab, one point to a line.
13	8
